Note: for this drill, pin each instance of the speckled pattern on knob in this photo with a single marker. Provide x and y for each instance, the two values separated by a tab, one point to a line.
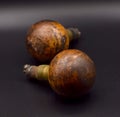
45	39
72	73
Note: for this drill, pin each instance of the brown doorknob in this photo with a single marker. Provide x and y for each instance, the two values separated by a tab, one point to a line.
71	73
46	38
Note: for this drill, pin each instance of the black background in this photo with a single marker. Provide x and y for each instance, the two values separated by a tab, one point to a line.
99	22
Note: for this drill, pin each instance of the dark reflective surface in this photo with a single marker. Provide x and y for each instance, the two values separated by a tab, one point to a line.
100	27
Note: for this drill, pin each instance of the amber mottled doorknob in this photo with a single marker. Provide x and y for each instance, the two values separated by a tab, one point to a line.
46	38
71	73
